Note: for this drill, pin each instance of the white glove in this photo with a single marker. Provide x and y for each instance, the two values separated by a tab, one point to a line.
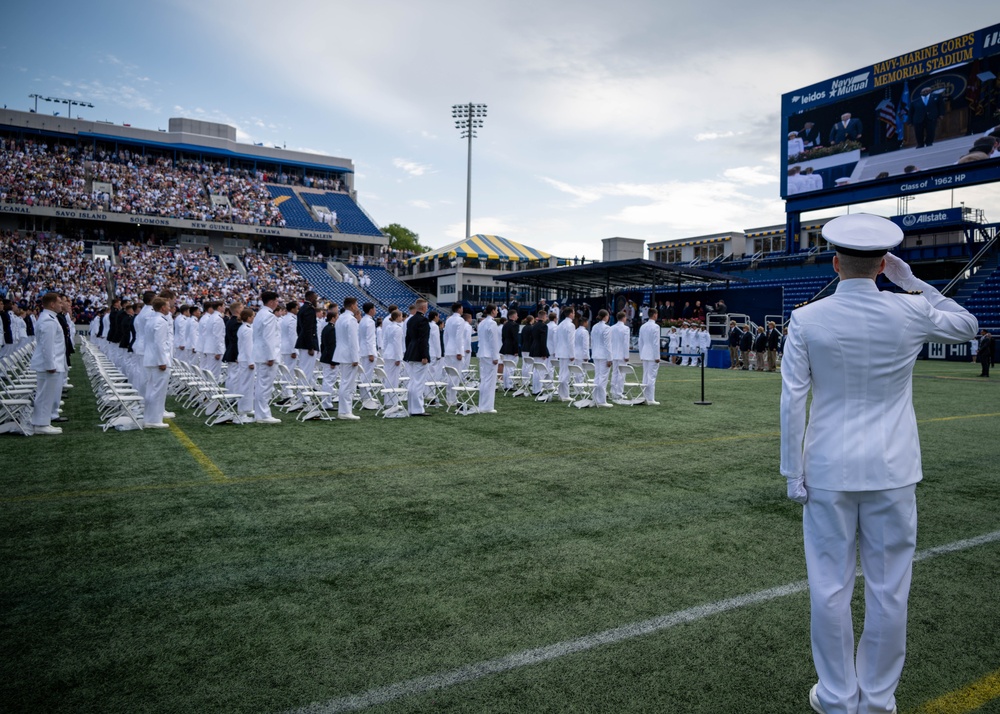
797	489
897	271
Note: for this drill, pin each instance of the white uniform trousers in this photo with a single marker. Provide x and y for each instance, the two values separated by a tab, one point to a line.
61	378
48	389
157	382
329	383
137	372
243	383
263	384
345	393
433	372
392	371
213	366
650	368
415	387
601	381
617	378
450	361
366	368
885	525
564	377
233	370
307	363
487	385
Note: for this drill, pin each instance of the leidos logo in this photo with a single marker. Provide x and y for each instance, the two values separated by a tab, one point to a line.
806	98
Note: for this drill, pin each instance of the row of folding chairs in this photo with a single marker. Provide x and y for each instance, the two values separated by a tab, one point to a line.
119	404
17	390
198	389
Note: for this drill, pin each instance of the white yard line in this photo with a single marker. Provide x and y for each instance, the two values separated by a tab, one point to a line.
478	670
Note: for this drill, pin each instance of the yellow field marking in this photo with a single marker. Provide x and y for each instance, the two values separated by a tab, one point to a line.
213	471
952	418
967	699
217	477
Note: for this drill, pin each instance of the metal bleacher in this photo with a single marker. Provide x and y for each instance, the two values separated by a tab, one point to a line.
984	303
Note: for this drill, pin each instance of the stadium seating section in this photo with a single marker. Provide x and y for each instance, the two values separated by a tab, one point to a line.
385	288
295	214
350	218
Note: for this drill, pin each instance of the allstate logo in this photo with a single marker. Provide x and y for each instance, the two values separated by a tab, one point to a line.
909	221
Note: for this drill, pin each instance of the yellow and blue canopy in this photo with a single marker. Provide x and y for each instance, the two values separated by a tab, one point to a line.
485	247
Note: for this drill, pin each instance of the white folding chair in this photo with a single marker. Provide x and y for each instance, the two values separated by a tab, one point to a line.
465	394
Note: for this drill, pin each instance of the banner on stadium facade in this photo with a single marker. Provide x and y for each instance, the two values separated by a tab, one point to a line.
930	219
236	229
876	124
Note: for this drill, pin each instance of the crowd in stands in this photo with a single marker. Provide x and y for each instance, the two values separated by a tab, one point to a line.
37	173
34	264
196	275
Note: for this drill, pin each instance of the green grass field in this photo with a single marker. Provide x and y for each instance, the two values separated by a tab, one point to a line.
330	559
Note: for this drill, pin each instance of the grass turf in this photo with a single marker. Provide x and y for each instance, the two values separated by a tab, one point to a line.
338	557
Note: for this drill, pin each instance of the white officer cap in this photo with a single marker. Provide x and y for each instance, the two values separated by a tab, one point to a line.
862	234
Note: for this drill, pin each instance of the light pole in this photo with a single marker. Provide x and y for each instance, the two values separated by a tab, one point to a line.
70	103
468	118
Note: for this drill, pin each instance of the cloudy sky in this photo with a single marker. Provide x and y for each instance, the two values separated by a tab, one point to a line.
638	118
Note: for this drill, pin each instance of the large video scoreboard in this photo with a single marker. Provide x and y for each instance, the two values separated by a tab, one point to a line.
907	125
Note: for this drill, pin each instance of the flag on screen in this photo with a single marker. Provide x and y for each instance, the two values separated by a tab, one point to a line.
904	112
886	113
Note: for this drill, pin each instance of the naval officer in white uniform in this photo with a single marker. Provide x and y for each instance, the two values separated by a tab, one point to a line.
856	466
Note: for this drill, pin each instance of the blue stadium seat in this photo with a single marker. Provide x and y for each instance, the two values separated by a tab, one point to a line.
324	284
295	214
385	287
350	217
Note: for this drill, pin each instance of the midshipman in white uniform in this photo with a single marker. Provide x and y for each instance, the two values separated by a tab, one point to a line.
489	358
49	363
159	346
649	353
856	465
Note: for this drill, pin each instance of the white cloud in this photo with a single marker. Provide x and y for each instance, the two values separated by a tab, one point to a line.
583	196
750	176
417	203
411	167
713	135
489	225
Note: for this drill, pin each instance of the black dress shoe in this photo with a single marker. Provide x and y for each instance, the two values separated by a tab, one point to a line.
421	414
60	420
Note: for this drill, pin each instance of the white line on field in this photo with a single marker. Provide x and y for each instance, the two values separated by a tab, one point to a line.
478	670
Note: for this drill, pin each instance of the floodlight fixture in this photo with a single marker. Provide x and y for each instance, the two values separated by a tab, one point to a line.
469	117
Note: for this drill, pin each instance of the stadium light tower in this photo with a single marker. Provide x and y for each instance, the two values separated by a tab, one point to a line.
468	118
70	103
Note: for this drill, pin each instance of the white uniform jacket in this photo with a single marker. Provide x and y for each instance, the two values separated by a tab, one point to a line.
600	339
619	340
244	344
347	340
139	325
454	329
289	334
649	341
582	338
266	337
366	336
159	340
214	342
50	344
489	340
566	339
392	338
856	350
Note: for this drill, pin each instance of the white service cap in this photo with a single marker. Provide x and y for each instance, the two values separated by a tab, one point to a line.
863	234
